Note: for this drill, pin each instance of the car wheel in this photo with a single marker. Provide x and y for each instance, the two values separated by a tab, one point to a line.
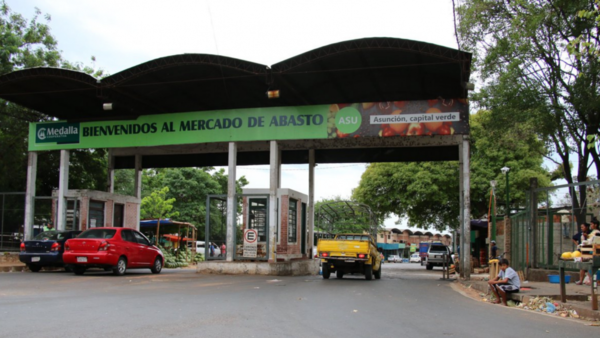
429	266
368	272
79	270
121	267
377	273
34	268
158	265
339	274
326	272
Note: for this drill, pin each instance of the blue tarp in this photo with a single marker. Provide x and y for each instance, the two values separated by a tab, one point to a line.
147	223
389	246
479	223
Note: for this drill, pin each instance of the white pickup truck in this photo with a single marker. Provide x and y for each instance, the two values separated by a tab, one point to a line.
201	248
436	255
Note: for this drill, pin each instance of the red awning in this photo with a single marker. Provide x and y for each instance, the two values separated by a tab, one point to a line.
174	238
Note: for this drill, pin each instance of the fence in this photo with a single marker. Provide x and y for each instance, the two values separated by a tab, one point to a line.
556	222
12	218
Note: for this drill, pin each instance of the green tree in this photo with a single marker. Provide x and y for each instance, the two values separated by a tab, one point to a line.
520	50
427	192
158	206
190	187
124	182
26	44
336	215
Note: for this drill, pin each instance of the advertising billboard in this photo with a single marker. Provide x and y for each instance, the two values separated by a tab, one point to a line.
371	119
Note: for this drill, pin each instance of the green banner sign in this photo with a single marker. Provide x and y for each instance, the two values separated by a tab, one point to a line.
57	133
381	119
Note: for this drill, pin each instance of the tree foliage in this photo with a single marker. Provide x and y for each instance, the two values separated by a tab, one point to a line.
158	206
529	78
337	215
25	44
190	188
427	193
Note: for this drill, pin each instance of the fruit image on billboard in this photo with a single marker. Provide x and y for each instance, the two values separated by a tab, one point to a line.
399	118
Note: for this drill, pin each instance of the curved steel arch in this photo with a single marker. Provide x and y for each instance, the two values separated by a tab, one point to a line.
345	216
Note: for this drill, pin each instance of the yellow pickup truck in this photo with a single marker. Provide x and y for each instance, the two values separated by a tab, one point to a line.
349	253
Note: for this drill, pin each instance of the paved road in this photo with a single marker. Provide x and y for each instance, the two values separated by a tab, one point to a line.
408	301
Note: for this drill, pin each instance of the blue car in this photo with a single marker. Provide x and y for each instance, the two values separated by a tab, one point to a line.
46	249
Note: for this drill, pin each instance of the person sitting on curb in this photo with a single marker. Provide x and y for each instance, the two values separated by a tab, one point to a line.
507	281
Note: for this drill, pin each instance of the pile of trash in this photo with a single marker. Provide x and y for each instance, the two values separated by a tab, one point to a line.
541	304
549	305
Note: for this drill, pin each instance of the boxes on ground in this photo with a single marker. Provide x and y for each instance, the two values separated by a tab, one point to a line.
481	270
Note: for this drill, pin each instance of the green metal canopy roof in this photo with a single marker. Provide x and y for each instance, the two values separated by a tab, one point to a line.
363	70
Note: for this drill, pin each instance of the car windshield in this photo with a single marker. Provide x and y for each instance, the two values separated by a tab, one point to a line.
438	248
51	235
98	233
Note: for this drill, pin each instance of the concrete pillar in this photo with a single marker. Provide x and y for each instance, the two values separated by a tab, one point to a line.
273	207
231	201
278	167
310	217
30	195
466	183
110	183
63	187
137	187
461	224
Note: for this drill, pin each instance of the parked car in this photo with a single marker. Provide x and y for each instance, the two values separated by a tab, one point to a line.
394	259
200	248
116	249
435	256
415	258
45	250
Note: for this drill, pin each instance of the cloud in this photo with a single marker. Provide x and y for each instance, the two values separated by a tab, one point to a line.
122	34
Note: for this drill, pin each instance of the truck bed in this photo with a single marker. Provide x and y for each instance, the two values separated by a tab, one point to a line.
342	248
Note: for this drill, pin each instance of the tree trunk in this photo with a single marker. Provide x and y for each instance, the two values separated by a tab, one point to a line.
157	231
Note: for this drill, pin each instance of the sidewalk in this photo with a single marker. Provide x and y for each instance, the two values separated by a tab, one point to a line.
578	296
13	267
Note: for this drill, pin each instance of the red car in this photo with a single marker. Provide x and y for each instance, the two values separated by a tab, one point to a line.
116	249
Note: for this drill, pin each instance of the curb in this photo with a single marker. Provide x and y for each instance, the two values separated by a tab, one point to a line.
583	311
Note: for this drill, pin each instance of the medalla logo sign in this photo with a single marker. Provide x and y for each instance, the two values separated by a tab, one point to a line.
59	133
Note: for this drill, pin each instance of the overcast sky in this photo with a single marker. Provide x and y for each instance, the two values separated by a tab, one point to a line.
124	33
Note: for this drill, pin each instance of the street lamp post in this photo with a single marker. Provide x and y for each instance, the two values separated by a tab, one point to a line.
505	170
493	211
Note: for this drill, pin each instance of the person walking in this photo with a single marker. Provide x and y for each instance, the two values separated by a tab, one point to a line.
494	250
